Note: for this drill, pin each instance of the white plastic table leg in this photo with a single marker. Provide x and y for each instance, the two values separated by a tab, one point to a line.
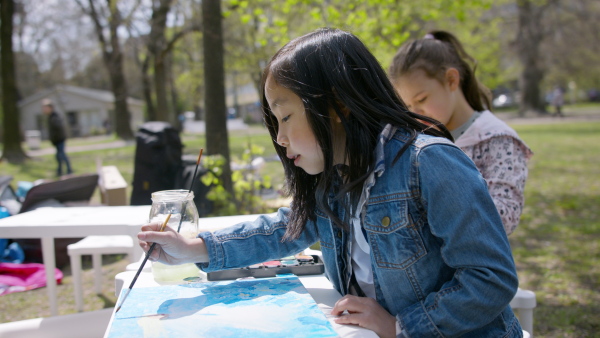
97	263
49	266
524	302
77	285
526	319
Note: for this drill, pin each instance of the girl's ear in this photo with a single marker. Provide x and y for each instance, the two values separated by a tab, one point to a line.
452	78
335	116
344	109
337	119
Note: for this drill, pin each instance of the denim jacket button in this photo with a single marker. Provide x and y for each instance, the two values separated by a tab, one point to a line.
339	234
385	221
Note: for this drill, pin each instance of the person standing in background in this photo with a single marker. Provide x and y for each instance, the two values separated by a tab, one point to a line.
57	135
558	100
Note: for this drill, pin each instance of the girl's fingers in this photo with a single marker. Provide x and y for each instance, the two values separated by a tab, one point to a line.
155	253
143	244
352	319
351	304
365	312
154	256
150	234
151	226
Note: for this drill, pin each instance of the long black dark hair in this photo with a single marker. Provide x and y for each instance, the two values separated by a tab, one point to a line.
332	69
434	54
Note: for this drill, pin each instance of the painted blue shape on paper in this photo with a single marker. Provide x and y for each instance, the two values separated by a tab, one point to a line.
266	307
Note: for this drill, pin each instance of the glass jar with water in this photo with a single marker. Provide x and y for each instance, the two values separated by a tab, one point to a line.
184	219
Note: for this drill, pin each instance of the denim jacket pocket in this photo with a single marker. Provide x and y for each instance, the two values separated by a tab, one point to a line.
394	239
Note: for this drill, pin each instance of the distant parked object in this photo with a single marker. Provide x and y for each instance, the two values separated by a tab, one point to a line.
504	99
593	95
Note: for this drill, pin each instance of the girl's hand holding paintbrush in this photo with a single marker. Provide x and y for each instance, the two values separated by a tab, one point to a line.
171	248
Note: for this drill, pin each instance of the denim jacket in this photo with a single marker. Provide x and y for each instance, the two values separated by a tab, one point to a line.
441	260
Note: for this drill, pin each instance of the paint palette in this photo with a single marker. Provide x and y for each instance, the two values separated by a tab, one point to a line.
297	265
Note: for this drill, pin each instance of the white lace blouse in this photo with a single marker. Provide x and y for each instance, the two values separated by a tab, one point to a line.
501	157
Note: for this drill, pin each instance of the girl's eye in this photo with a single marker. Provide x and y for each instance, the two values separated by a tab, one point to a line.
285	119
422	100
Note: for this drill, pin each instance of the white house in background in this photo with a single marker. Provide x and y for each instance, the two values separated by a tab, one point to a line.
86	111
243	102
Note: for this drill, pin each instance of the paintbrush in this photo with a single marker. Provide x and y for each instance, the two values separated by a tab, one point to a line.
189	191
162	228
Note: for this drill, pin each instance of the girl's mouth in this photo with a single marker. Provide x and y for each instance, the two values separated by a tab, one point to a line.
296	158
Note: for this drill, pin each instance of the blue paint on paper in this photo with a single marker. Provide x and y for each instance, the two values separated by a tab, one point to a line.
267	307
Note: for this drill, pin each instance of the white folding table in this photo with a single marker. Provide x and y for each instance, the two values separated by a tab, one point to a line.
73	222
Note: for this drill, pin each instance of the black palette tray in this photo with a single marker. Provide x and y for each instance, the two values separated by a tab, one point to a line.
272	269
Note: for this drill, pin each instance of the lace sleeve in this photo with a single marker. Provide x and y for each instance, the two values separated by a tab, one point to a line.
502	161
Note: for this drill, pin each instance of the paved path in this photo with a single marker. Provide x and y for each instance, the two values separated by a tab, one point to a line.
507	117
550	119
79	148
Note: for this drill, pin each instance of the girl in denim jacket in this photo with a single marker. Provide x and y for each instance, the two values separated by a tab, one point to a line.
399	210
434	78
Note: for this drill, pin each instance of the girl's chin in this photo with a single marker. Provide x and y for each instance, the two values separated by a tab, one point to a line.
312	171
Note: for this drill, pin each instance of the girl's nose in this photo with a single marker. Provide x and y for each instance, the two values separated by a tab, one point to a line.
282	140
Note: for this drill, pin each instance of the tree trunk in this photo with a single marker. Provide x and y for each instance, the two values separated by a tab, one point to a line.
217	141
147	90
174	94
160	87
119	86
156	46
530	35
113	60
12	150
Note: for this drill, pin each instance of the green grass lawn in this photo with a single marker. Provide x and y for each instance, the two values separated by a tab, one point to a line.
556	246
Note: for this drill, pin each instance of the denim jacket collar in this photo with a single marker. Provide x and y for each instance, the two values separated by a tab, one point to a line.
387	133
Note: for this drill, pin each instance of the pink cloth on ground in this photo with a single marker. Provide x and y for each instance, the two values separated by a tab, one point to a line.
23	277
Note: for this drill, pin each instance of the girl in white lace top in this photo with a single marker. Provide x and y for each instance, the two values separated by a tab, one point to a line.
434	77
